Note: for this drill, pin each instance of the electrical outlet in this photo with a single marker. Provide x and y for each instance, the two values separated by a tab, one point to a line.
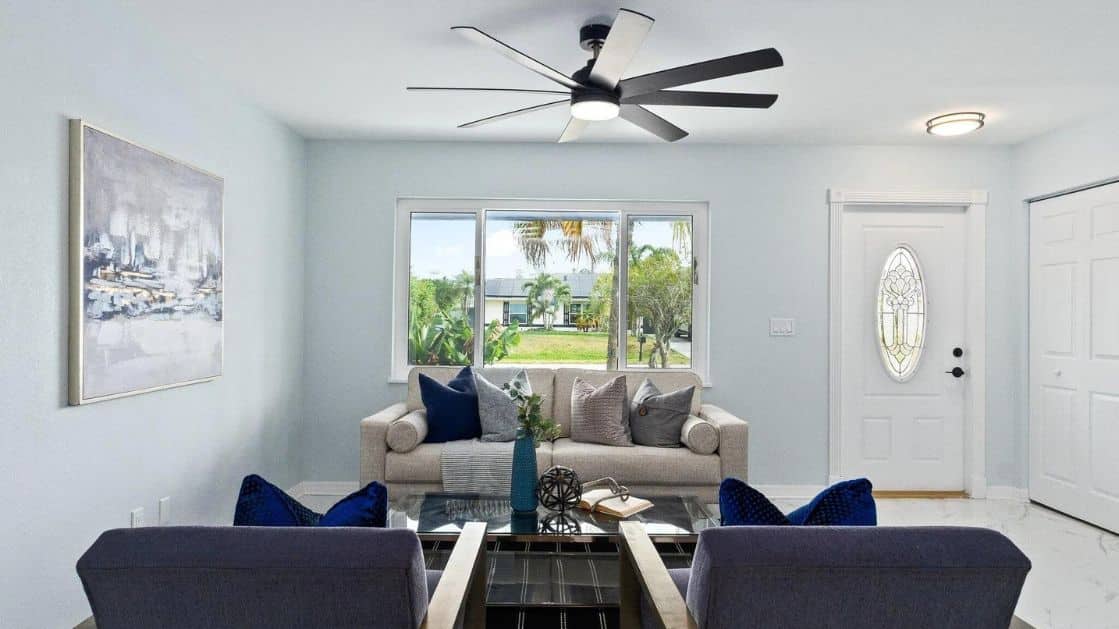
137	517
165	511
782	327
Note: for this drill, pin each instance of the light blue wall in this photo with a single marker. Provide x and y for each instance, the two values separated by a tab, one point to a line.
69	473
769	225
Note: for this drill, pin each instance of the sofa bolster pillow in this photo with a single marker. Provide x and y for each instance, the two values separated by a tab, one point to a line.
407	432
700	435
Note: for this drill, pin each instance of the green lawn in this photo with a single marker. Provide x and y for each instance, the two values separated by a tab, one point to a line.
556	346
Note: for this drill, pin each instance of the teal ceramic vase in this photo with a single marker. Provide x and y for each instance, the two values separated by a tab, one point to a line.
523	485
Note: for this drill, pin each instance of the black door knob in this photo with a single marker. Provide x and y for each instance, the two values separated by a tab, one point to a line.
957	351
956	372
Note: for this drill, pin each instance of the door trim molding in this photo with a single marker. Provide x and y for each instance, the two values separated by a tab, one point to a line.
974	204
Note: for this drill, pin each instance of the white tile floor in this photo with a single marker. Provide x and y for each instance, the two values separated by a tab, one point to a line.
1074	583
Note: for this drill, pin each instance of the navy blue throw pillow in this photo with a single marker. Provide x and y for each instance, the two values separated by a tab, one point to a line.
452	409
847	503
741	504
365	507
261	503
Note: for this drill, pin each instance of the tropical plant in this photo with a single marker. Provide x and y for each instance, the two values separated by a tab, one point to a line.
529	416
577	240
660	291
499	341
546	296
448	339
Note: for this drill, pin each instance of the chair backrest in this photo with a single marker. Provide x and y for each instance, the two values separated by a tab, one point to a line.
194	577
866	577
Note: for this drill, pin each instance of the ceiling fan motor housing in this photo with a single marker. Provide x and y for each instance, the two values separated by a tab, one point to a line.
593	36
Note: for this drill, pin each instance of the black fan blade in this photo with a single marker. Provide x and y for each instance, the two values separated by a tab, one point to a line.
492	43
513	90
626	36
573	130
702	99
702	71
652	123
510	114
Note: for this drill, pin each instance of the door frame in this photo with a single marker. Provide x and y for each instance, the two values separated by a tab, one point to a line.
974	204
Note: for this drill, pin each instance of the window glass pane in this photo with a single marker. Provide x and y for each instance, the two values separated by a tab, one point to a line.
553	269
659	303
901	313
441	290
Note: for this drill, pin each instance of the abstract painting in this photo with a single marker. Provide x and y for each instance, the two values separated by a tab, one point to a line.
146	269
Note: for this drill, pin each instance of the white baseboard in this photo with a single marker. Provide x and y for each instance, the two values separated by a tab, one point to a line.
338	488
1000	492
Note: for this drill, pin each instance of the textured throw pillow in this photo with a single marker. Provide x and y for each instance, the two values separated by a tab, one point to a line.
598	415
700	435
452	408
846	503
655	418
261	503
741	504
496	410
407	432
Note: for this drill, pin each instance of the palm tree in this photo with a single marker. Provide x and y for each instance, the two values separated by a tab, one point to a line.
545	295
577	240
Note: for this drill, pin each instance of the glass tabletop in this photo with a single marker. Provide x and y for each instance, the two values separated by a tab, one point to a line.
442	516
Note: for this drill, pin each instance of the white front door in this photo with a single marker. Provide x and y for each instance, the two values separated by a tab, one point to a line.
1074	354
902	322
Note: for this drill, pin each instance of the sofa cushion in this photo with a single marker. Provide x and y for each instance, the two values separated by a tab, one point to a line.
540	378
655	418
846	503
665	379
452	408
742	505
407	432
424	465
637	465
367	506
496	409
700	435
260	503
600	414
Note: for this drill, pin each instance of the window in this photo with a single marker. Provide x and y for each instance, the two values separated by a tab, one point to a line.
594	284
901	313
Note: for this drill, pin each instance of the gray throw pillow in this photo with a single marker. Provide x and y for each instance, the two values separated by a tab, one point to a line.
598	415
496	410
656	418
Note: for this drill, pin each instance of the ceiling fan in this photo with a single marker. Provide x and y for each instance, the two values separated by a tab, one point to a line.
597	91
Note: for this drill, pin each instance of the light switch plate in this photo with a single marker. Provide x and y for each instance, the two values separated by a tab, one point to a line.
782	327
165	510
136	517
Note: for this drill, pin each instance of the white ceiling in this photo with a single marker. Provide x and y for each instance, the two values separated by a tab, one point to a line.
855	71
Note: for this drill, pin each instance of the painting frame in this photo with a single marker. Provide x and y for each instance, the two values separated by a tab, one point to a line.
78	393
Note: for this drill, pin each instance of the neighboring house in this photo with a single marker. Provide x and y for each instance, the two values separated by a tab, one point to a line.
507	299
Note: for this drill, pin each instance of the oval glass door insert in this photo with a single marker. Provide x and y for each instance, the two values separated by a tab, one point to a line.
901	313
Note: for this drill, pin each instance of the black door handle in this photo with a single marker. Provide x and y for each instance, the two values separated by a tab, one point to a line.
956	372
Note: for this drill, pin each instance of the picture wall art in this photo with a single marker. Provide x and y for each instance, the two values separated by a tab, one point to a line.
147	259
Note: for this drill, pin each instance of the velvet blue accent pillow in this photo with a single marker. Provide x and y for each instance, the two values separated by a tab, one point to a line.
741	504
847	503
261	503
452	409
367	506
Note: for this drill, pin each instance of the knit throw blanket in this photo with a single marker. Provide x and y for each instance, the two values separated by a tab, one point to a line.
477	467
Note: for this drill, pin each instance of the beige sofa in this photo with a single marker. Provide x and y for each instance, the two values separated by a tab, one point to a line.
646	470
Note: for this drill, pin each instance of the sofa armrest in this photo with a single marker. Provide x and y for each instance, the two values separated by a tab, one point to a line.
460	598
374	443
641	570
733	436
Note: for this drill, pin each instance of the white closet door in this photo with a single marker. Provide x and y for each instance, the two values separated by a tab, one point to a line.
1074	354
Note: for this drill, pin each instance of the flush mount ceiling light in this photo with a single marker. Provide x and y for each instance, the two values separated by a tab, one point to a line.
955	124
594	106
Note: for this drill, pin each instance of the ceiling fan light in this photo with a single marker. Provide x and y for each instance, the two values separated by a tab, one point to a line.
955	124
594	110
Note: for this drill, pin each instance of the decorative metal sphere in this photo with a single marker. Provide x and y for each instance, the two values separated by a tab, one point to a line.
559	489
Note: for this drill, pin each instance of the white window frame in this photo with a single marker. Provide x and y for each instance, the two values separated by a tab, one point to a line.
626	210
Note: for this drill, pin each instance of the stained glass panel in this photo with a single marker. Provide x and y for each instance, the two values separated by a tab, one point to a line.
901	313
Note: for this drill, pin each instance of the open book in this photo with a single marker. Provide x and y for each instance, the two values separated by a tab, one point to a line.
612	506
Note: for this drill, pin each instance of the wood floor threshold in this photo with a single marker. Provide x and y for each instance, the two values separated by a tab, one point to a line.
942	495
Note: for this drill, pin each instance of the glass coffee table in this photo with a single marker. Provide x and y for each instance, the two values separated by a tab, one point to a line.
541	563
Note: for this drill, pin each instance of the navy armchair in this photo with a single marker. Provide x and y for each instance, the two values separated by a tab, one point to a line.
247	577
794	576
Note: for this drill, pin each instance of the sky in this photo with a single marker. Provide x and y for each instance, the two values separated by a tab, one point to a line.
443	245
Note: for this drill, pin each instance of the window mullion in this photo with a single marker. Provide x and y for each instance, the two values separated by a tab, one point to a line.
479	288
623	288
